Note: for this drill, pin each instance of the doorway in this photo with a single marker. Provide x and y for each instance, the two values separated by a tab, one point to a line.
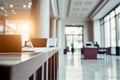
74	37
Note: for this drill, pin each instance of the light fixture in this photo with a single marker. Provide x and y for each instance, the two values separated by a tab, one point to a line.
30	3
29	6
11	5
13	11
24	6
2	8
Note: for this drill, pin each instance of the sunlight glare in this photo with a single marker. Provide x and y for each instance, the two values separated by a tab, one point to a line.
25	27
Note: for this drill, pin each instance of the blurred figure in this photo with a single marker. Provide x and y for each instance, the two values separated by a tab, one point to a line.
96	44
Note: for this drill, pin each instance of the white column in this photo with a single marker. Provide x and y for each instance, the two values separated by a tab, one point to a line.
96	31
60	34
40	15
44	18
53	28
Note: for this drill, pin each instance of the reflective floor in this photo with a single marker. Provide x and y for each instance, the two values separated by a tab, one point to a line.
74	67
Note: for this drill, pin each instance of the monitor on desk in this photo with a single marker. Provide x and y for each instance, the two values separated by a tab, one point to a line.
10	43
52	42
89	44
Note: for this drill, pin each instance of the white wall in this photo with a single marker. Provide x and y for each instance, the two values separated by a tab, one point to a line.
96	31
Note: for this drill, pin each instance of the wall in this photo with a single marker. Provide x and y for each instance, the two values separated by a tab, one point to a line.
89	28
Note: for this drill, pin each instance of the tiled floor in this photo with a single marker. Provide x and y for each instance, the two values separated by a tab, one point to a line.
72	67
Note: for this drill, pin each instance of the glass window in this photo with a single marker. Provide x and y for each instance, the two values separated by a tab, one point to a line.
74	37
19	28
73	30
118	30
23	29
1	29
110	29
102	21
112	14
11	28
107	34
107	18
102	36
113	32
117	10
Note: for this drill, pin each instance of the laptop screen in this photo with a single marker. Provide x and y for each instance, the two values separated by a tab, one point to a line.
10	43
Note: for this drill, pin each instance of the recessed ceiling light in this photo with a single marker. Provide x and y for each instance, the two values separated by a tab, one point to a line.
30	3
2	8
24	6
11	5
29	6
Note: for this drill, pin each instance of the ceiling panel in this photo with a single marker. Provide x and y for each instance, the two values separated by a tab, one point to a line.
17	8
82	8
16	3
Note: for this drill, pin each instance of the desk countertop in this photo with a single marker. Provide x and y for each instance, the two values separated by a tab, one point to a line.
21	65
13	58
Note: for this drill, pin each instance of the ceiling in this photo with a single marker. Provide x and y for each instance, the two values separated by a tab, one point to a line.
81	9
110	4
84	9
13	8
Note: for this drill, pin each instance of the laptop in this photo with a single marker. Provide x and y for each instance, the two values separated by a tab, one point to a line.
10	43
39	42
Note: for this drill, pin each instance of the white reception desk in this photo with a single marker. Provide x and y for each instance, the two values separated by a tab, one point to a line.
37	65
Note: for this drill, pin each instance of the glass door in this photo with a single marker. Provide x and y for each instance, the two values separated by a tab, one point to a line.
74	38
